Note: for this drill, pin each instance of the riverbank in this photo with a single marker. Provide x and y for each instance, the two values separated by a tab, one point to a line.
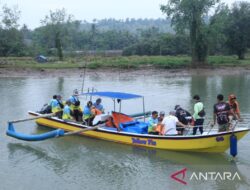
73	72
143	65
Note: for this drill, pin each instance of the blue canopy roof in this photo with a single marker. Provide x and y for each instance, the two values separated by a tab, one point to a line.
115	95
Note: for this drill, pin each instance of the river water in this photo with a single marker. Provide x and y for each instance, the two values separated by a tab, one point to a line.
83	163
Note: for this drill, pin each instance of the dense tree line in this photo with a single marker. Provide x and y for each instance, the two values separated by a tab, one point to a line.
193	32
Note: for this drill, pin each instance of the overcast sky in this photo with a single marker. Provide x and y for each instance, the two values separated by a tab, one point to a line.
32	11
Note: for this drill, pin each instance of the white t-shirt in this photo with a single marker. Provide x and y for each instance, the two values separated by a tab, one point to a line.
169	123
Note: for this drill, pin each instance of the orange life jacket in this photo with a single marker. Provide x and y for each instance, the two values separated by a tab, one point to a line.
160	128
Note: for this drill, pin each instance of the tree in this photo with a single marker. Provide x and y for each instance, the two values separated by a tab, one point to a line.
189	15
216	34
55	27
10	17
238	29
11	39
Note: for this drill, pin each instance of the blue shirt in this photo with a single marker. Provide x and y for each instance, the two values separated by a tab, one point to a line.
73	99
86	110
54	103
66	110
99	106
151	123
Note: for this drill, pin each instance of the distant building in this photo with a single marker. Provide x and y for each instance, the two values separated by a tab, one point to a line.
41	59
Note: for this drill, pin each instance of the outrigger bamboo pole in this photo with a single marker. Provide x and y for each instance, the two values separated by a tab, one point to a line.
81	131
32	118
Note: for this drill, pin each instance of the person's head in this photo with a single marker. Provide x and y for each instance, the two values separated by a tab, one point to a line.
75	92
154	114
196	98
89	104
98	101
55	97
177	107
162	113
231	97
220	97
172	113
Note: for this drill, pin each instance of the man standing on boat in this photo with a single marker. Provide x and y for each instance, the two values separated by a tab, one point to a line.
222	111
235	108
198	116
75	106
183	116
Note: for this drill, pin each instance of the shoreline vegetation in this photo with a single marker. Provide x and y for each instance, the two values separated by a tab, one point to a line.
122	62
167	65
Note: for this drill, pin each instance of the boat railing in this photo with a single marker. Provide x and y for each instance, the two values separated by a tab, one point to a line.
208	128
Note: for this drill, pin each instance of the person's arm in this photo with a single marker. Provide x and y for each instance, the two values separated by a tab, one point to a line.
196	111
181	124
237	111
214	116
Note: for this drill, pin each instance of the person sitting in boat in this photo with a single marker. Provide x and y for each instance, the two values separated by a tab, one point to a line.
152	123
169	124
89	113
67	113
161	117
75	106
183	116
235	108
55	106
98	105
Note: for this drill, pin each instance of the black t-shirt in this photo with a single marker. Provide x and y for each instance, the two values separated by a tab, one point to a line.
222	110
181	114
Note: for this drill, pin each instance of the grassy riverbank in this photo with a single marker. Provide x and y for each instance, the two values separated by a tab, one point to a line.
126	62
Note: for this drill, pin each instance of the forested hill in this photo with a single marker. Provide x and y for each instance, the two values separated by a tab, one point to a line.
132	25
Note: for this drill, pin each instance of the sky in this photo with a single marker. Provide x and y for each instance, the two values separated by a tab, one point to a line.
33	11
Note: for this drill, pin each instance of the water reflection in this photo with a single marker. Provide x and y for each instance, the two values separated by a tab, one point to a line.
22	153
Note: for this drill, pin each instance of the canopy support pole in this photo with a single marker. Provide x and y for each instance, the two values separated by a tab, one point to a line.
143	103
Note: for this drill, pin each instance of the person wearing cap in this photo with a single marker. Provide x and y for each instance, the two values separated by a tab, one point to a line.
75	106
169	124
98	105
235	108
152	123
67	113
183	116
198	119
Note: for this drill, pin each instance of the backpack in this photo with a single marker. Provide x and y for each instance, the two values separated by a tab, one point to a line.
77	103
202	113
45	109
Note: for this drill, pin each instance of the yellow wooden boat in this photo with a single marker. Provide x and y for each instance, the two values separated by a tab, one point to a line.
209	141
213	142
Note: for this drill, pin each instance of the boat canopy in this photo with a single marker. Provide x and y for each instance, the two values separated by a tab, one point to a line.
114	95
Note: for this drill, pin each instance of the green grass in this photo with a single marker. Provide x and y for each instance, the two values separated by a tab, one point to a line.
124	62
